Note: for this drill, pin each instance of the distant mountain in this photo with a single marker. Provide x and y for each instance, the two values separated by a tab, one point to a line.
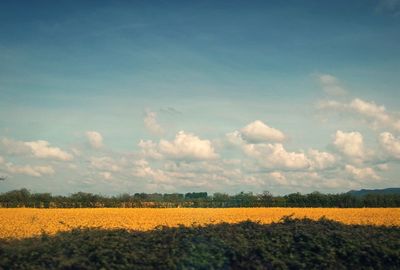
363	192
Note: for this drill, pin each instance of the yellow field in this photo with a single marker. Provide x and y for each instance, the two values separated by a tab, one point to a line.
25	222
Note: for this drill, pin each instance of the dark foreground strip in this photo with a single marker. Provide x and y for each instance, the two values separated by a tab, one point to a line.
290	244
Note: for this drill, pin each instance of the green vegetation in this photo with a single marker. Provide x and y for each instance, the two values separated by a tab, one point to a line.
290	244
24	198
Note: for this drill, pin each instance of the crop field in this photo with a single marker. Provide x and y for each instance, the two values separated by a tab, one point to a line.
20	223
288	244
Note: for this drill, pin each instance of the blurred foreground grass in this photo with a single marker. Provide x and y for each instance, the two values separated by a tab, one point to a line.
289	244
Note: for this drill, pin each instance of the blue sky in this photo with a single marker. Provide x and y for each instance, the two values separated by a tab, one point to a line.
165	96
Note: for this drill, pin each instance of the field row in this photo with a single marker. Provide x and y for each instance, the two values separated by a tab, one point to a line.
26	222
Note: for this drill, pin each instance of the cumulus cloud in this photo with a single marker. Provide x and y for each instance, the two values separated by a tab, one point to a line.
104	164
205	174
362	173
390	144
351	144
375	112
275	156
321	160
330	85
279	178
377	115
369	109
151	124
143	169
36	171
95	139
235	138
258	132
185	146
150	149
42	149
254	133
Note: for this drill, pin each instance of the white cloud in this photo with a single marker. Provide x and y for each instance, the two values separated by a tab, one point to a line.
300	179
369	109
1	160
151	124
275	156
350	144
36	171
362	173
104	164
376	115
258	132
330	85
106	175
143	169
383	167
14	147
95	139
149	149
279	178
321	160
185	146
41	149
235	138
327	79
390	144
331	105
206	173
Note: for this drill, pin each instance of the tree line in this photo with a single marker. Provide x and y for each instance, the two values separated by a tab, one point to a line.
24	198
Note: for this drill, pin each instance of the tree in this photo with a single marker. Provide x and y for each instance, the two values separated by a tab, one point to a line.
266	198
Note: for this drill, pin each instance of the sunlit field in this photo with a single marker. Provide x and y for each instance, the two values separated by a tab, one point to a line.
26	222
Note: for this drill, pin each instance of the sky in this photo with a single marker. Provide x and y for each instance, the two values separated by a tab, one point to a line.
115	97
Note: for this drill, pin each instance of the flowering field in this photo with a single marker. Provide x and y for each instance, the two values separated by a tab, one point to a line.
26	222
